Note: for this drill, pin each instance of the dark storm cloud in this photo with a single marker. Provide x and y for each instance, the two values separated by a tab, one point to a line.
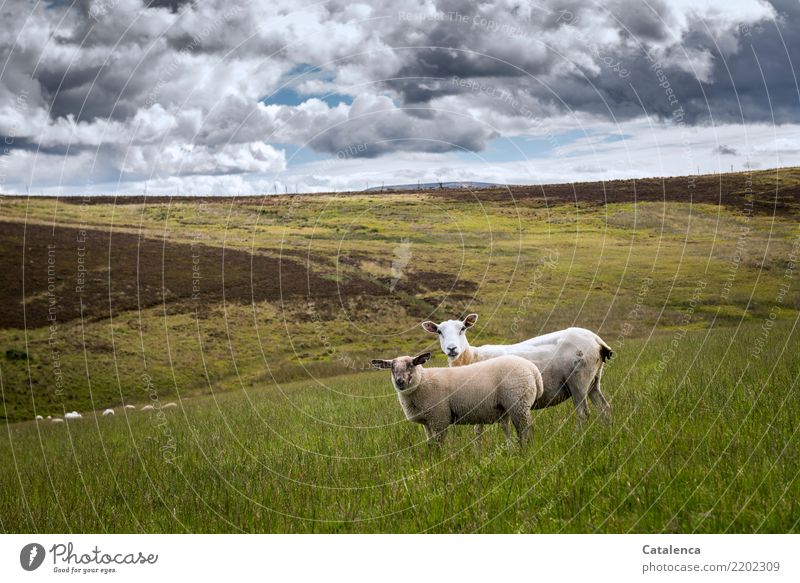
763	74
172	5
639	20
754	84
724	150
27	145
394	133
710	80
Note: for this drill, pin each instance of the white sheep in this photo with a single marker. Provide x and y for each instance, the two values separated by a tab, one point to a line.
108	412
170	406
147	408
73	415
130	406
571	361
56	420
39	418
495	391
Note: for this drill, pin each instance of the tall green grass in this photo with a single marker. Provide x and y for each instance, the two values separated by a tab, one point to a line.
704	439
539	268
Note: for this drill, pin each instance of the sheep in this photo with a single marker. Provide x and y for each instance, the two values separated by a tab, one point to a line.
147	408
56	420
39	418
130	406
73	415
571	361
477	394
170	406
108	412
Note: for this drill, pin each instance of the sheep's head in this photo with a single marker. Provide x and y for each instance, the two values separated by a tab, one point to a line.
452	334
405	371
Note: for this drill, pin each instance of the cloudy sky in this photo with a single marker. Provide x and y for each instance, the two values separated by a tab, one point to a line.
227	97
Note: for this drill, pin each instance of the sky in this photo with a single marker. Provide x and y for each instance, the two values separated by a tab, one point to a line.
259	96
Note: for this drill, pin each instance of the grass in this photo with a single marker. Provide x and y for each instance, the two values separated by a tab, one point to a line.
707	442
281	429
586	270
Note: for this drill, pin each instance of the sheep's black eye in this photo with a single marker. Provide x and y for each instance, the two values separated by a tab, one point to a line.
464	328
439	332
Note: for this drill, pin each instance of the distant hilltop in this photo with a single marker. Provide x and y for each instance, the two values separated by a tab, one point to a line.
436	186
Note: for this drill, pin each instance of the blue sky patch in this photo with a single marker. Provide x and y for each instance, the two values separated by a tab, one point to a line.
289	95
516	148
297	155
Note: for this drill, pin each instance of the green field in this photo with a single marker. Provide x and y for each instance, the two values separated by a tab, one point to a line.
281	427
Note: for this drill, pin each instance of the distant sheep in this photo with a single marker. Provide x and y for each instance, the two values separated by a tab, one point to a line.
108	412
39	418
56	420
130	406
148	408
571	361
170	406
73	415
494	391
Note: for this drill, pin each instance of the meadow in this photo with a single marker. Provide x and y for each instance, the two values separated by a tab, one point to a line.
259	316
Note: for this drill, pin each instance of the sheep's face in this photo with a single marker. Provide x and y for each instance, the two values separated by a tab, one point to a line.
452	334
405	370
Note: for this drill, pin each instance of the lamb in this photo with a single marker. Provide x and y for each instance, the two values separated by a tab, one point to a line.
483	393
73	415
108	412
571	361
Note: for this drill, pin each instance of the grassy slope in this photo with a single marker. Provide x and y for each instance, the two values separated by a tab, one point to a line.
286	457
494	254
708	445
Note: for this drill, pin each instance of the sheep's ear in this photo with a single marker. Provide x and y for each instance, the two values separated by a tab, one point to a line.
376	363
430	327
470	320
421	359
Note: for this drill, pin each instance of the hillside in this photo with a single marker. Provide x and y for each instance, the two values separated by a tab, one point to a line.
217	294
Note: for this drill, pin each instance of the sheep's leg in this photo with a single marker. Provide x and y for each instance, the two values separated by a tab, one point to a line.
599	401
579	384
581	408
478	437
506	428
522	423
436	434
